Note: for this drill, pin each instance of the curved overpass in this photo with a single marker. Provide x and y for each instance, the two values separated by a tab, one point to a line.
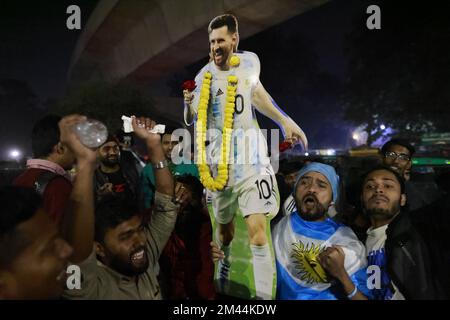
147	39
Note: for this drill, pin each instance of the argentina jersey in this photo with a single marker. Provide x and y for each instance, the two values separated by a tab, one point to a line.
298	243
248	150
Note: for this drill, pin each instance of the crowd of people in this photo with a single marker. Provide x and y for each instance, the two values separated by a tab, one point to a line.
159	245
138	230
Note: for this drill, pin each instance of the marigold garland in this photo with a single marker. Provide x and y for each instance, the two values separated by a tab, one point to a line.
218	183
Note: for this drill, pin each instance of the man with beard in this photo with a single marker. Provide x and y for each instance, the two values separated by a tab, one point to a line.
248	185
397	255
114	177
127	248
306	240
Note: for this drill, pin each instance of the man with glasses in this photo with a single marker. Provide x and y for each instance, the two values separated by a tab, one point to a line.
397	155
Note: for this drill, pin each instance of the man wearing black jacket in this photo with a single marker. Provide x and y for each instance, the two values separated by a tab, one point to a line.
116	176
398	259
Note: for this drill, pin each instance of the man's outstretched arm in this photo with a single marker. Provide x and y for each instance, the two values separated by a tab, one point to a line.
265	104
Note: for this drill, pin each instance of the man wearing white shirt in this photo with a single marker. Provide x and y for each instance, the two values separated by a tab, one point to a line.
398	260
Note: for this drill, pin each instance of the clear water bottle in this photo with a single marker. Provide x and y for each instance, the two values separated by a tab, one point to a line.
92	133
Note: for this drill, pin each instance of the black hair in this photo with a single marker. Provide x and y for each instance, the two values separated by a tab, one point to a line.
45	135
400	142
193	184
399	178
111	138
112	211
19	204
227	20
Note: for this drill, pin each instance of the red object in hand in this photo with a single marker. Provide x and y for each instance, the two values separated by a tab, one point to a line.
285	145
189	85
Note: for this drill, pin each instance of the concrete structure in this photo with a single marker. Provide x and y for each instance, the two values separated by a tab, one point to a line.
148	39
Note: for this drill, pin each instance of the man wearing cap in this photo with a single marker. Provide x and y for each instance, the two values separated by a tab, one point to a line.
115	177
308	244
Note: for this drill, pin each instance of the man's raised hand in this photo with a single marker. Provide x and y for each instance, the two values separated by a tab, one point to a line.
70	139
142	127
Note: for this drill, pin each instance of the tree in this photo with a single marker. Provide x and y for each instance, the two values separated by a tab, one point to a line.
398	75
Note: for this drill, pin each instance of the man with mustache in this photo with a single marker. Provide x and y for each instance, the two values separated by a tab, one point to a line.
127	247
251	185
305	241
398	259
115	177
397	254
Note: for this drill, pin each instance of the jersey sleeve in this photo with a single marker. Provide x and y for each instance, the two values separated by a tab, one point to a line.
252	66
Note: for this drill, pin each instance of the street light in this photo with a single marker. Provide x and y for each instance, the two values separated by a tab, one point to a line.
14	154
382	127
355	136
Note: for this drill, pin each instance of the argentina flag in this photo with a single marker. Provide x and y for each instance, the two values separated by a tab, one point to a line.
298	243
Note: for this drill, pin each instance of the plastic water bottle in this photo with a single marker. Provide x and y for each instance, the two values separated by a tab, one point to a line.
92	133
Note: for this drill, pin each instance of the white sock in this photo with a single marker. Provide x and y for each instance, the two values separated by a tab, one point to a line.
263	271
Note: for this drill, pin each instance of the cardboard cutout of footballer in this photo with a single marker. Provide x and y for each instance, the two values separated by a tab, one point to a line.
233	162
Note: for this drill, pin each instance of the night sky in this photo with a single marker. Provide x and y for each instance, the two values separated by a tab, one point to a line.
35	53
36	47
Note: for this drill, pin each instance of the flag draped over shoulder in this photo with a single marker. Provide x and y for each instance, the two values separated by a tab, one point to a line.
297	245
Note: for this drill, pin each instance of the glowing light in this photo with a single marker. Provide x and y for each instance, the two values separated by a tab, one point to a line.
15	154
382	127
331	152
355	136
306	154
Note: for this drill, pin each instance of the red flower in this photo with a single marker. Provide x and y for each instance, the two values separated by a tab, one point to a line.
189	85
285	145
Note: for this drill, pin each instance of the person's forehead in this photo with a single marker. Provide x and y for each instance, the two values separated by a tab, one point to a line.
315	176
398	149
167	137
219	32
129	224
109	144
381	175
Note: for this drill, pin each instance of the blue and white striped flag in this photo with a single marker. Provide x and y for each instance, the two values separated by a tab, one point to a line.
298	243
